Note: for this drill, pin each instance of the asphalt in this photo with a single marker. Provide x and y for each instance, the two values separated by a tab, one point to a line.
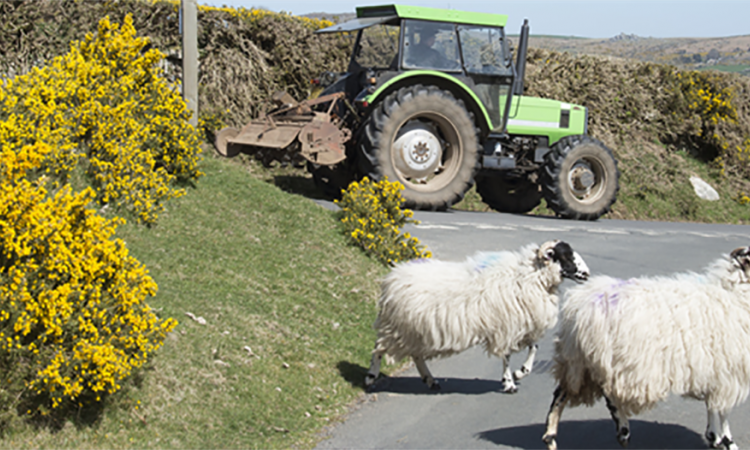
470	412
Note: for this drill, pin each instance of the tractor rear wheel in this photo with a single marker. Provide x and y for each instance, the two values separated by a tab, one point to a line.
580	178
508	194
424	138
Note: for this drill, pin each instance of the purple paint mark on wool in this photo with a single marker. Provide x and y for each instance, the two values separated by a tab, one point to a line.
418	261
609	299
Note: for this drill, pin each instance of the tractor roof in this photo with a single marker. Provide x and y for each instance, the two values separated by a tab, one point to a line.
435	14
372	15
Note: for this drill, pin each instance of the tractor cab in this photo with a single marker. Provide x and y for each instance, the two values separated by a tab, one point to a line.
470	47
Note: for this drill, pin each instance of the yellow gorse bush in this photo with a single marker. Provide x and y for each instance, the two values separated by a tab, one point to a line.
73	319
711	101
106	108
255	14
372	218
707	97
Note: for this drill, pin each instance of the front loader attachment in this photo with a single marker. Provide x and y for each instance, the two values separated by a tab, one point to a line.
292	129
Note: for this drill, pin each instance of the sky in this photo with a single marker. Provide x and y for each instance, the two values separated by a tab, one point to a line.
582	18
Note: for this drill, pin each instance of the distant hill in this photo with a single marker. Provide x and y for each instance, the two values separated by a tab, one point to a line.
333	17
729	54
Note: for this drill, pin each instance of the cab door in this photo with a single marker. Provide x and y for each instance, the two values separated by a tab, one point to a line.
487	63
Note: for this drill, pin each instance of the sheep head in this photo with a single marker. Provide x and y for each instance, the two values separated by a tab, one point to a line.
741	260
571	263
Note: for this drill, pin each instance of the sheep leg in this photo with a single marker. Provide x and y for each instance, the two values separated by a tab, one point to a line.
372	374
718	434
559	399
726	440
509	386
621	423
713	433
424	372
528	364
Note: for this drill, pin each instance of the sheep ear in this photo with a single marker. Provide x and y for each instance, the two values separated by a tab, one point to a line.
549	254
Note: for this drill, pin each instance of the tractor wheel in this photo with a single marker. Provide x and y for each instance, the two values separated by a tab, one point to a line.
580	178
222	146
508	194
424	138
331	179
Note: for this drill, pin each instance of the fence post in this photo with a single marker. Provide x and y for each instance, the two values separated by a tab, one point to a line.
189	9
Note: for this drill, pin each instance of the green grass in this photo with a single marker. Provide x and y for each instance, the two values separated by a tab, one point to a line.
267	270
727	68
656	186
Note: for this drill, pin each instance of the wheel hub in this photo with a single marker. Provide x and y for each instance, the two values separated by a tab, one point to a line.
582	178
417	150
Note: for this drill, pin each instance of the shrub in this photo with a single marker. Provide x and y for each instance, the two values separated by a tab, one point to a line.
73	319
372	218
106	108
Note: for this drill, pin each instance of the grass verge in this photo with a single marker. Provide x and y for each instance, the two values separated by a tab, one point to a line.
288	307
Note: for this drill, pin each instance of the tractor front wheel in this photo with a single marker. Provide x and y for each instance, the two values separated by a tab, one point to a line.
424	138
580	178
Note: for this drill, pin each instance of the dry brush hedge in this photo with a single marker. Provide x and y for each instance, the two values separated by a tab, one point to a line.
247	55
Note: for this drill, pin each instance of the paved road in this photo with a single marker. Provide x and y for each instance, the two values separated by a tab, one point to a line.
469	412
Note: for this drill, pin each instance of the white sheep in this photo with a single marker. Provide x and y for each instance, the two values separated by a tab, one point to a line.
635	341
504	301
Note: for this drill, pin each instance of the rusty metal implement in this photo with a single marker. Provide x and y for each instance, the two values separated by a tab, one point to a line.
292	127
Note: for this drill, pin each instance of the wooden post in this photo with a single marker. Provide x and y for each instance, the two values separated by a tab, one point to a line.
190	57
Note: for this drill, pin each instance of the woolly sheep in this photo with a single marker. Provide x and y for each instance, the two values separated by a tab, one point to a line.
504	301
635	341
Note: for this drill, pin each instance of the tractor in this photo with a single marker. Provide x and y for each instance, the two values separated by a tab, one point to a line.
433	98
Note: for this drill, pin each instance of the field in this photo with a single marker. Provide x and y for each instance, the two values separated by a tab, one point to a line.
729	54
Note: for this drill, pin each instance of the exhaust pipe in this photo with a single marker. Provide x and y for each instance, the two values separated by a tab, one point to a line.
523	47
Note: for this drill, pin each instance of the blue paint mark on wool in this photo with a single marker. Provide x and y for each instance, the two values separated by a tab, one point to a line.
485	260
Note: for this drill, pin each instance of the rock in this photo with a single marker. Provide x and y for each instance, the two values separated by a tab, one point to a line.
703	189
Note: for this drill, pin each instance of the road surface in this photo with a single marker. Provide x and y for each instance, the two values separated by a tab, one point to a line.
470	412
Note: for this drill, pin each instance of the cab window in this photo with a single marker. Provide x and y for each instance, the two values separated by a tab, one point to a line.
483	50
430	45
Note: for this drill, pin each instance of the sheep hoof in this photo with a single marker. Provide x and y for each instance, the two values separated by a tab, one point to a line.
728	443
370	382
435	386
623	437
713	442
519	374
510	388
549	439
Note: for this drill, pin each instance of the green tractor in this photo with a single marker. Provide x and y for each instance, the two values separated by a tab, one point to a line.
432	98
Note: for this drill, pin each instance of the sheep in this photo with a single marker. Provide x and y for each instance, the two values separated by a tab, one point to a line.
503	300
635	341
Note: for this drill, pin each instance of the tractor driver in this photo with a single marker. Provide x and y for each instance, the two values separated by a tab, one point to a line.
423	55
